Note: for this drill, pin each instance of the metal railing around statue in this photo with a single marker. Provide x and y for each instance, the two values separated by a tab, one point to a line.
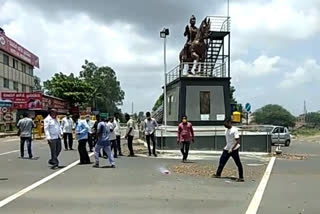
191	70
220	23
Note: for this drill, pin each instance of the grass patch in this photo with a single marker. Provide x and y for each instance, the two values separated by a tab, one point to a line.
306	132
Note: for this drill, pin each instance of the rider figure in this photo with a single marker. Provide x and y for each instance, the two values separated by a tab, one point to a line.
191	32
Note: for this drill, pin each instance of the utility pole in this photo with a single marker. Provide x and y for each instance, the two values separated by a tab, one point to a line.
132	109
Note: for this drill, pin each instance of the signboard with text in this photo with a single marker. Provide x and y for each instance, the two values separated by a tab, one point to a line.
52	102
13	48
24	100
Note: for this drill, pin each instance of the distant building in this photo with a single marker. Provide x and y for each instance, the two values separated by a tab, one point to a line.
16	66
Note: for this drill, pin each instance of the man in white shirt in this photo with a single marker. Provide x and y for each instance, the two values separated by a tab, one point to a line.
117	131
230	150
90	134
150	125
113	137
130	134
52	131
66	126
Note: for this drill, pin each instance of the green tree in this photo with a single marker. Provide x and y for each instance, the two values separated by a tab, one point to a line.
231	95
274	115
313	119
107	93
69	87
37	83
158	103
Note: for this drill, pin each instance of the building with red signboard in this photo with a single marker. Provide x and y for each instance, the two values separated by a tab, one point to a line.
16	66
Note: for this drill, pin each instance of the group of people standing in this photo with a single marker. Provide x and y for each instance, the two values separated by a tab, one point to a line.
105	135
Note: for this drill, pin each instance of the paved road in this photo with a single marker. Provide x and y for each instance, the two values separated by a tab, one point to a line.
136	186
294	184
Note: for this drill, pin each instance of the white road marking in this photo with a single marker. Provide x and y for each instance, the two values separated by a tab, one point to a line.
11	140
38	183
9	152
256	200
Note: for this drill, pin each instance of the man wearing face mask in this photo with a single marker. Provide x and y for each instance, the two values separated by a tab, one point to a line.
185	136
230	150
66	127
150	125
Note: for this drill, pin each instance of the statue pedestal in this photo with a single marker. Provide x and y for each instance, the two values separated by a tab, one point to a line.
205	100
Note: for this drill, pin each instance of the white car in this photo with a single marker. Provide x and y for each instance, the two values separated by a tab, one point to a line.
280	135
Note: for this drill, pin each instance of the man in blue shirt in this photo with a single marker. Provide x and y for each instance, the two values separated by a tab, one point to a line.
103	132
82	131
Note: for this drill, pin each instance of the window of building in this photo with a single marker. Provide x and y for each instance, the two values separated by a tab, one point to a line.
15	86
6	83
30	70
23	68
170	101
204	102
5	59
24	88
15	63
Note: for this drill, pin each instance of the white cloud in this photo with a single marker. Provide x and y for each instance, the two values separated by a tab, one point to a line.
63	47
275	20
308	73
261	66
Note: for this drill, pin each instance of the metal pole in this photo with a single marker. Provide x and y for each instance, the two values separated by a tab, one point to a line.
228	5
165	82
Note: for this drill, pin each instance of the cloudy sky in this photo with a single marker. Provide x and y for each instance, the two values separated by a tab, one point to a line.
274	43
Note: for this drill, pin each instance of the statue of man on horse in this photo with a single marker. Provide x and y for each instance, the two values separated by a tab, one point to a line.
195	48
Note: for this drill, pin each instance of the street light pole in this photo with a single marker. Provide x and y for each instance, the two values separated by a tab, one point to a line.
228	5
165	81
163	34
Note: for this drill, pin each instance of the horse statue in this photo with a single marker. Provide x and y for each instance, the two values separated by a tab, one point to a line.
196	50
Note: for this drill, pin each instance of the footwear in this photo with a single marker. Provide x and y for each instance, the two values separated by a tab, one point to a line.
240	180
149	154
96	165
115	156
50	162
30	157
155	155
71	149
55	167
86	163
66	149
113	166
120	154
216	176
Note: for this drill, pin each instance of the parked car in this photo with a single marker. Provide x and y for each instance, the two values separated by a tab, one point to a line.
280	135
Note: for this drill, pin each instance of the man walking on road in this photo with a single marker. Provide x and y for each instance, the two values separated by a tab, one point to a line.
185	136
130	134
103	142
113	137
90	134
230	150
150	125
66	126
25	126
53	134
117	131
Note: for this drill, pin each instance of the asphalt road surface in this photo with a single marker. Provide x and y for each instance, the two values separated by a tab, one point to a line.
138	186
